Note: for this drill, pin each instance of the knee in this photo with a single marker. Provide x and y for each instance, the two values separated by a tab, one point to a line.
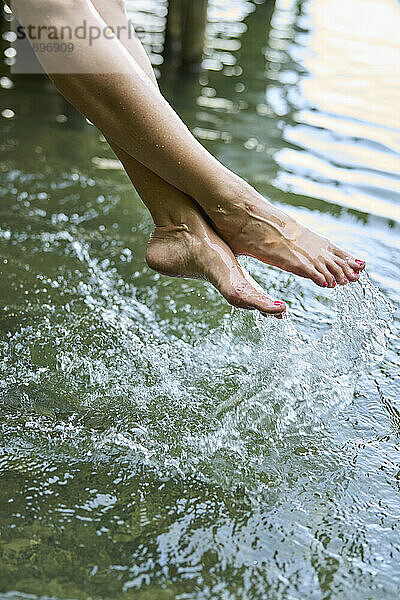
48	9
111	10
58	5
120	6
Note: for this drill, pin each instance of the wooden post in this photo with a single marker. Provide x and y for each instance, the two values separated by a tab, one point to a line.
173	28
194	20
185	30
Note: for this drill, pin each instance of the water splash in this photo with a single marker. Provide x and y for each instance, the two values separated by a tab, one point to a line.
290	385
222	409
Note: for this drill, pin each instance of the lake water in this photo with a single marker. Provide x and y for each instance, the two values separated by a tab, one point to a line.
156	444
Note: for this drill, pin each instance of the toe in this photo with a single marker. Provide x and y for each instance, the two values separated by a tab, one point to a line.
309	272
347	269
318	277
359	264
244	296
237	286
356	264
244	292
327	274
338	271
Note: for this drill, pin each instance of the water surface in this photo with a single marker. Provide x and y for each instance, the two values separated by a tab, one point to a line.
156	444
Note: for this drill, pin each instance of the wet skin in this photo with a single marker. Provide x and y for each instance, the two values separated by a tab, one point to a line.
113	85
183	243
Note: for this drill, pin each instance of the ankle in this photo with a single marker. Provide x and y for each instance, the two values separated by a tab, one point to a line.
170	230
230	190
184	222
170	214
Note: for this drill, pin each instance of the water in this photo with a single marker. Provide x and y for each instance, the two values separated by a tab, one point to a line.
154	442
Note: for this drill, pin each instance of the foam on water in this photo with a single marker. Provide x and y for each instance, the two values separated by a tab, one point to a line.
293	384
222	409
144	455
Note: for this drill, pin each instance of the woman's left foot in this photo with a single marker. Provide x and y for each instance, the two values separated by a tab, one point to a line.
191	248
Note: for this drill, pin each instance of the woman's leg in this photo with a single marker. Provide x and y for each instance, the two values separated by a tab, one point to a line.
183	243
113	12
115	95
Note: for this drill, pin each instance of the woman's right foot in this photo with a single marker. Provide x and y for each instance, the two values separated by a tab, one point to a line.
193	249
252	226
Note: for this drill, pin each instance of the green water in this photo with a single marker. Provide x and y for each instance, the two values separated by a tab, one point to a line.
156	444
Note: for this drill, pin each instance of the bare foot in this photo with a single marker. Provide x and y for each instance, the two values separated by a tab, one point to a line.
253	226
192	249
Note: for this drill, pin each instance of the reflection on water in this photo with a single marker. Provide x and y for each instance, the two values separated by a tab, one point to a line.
154	443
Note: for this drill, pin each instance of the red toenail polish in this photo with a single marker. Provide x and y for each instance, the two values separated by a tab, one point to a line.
333	284
360	262
278	303
325	284
345	280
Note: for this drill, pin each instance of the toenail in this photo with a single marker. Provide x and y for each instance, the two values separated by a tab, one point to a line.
360	262
325	284
345	280
278	303
333	284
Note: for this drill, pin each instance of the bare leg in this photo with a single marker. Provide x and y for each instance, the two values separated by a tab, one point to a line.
114	15
183	243
120	100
